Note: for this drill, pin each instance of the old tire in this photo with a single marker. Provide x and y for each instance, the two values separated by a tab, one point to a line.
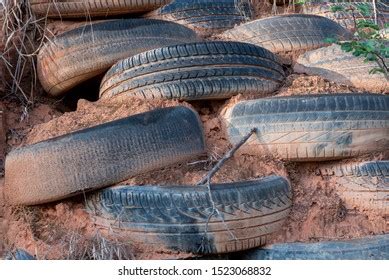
368	248
175	217
85	52
91	8
208	70
102	155
334	64
204	16
313	127
364	186
344	13
288	35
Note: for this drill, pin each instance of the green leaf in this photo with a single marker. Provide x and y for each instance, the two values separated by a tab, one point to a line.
336	8
347	46
370	57
376	70
330	40
362	23
364	9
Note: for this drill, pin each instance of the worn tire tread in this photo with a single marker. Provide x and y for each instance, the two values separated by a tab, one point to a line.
176	216
206	70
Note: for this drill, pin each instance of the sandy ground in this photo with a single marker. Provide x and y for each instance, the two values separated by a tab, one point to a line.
54	231
64	229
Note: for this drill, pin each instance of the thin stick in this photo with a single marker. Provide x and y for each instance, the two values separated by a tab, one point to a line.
228	155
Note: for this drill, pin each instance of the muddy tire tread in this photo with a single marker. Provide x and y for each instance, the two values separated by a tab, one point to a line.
94	8
99	46
207	17
170	211
368	248
288	35
296	127
209	70
102	155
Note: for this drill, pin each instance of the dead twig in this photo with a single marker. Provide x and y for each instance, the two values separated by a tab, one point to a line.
228	155
206	180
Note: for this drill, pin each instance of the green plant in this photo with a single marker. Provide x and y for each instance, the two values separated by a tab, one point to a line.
368	41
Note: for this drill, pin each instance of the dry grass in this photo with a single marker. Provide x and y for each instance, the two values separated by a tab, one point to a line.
54	240
23	37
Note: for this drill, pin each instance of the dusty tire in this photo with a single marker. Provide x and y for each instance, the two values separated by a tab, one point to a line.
175	217
208	70
334	64
91	8
204	16
364	186
288	35
349	11
102	155
368	248
312	127
85	52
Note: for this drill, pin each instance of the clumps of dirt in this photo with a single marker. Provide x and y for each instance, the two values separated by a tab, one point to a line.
318	213
265	8
3	223
296	84
91	114
20	122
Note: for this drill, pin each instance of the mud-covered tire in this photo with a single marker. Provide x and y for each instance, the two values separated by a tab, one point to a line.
368	248
312	127
175	217
20	255
92	8
364	186
204	16
288	35
346	14
205	70
102	155
85	52
334	64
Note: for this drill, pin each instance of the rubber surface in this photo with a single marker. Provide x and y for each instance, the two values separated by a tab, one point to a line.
349	12
20	255
102	155
208	70
92	8
288	35
334	64
369	248
312	127
85	52
205	16
364	186
175	217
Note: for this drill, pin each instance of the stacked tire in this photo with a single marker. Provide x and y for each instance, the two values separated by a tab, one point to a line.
154	58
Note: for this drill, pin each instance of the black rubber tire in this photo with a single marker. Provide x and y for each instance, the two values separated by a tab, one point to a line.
288	35
102	155
92	8
336	65
20	255
175	217
312	127
196	71
368	248
364	186
85	52
205	16
345	17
